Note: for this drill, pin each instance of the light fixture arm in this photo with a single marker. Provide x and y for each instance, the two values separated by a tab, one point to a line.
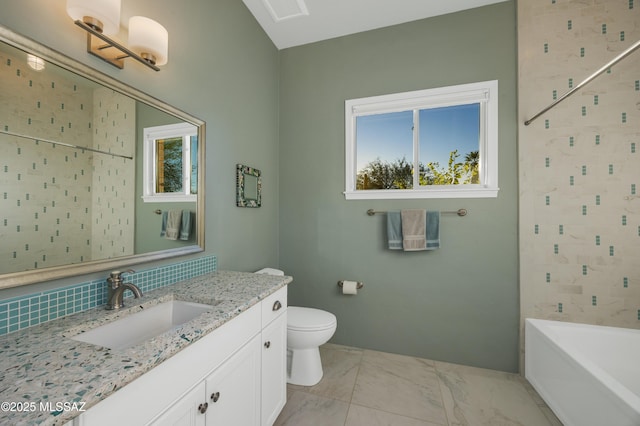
112	52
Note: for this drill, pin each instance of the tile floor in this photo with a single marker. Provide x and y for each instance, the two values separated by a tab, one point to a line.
370	388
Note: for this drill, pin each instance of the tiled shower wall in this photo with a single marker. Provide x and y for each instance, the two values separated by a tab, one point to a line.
38	210
26	311
579	162
114	178
46	212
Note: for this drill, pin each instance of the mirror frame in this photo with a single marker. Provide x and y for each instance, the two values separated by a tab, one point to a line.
241	200
15	279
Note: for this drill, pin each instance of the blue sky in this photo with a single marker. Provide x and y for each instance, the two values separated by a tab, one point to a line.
389	136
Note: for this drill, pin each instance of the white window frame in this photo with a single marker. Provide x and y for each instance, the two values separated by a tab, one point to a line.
485	93
150	135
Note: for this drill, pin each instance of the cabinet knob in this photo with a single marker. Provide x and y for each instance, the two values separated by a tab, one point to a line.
203	408
267	344
215	396
277	305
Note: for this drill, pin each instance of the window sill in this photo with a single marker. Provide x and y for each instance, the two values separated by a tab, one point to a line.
398	194
170	198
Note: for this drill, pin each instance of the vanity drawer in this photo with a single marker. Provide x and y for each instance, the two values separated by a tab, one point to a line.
274	305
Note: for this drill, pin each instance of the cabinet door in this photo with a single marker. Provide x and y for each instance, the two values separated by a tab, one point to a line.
274	369
233	390
187	411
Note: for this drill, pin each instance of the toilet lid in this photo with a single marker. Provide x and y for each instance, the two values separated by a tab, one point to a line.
309	319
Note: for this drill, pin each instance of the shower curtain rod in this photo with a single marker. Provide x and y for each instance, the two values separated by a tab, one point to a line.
587	80
68	145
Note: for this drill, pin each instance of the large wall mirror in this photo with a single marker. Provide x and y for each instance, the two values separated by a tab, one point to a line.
72	174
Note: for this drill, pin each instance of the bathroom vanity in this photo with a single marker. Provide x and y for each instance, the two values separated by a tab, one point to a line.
226	362
225	366
234	375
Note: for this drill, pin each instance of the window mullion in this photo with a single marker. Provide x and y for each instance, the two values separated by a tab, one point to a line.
416	149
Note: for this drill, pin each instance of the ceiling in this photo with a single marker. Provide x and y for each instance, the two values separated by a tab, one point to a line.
295	22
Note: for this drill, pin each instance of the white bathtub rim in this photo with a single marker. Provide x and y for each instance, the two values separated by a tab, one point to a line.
609	382
561	412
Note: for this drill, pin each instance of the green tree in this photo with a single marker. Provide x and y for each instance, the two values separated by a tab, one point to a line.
171	163
402	173
473	159
456	173
385	175
376	175
399	174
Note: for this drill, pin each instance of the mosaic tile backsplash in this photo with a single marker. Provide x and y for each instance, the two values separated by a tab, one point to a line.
26	311
579	180
54	200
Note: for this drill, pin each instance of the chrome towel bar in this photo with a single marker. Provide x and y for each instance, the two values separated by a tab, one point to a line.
459	212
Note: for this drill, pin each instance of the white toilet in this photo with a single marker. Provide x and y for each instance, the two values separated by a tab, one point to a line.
307	329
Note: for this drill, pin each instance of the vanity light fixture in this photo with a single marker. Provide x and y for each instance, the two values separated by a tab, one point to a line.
35	62
148	39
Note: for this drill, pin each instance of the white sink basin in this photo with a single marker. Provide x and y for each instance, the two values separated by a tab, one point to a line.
141	326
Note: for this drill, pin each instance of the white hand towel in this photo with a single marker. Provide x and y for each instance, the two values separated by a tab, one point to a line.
174	218
414	230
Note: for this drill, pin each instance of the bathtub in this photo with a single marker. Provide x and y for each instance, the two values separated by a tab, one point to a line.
587	374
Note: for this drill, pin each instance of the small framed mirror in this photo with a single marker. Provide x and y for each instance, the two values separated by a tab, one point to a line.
248	186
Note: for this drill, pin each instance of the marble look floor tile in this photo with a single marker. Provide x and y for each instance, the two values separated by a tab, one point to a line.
534	394
344	348
401	385
305	409
364	416
340	366
475	396
550	415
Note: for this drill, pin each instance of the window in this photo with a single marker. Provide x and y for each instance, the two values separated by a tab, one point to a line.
170	163
435	143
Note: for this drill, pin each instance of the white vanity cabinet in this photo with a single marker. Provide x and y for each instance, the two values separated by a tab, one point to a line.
233	391
274	356
186	411
228	396
236	375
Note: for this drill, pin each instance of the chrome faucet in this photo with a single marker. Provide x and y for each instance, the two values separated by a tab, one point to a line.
117	288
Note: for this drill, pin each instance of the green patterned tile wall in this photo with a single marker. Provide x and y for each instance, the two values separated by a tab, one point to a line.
579	206
26	311
113	187
53	199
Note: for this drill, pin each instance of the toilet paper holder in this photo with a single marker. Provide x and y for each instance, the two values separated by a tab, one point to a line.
359	284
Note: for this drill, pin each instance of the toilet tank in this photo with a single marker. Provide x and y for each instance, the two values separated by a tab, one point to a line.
270	271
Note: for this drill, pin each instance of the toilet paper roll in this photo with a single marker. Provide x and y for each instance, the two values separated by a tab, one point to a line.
349	287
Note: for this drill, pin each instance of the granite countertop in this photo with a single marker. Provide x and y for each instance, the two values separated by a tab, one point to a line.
47	378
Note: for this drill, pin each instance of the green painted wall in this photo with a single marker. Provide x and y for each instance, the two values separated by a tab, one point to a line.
222	69
282	112
457	304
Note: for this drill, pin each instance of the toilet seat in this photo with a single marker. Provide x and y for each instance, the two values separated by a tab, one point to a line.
309	319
